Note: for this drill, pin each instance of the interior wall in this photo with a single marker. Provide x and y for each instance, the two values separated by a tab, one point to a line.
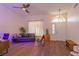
73	31
60	31
73	25
10	22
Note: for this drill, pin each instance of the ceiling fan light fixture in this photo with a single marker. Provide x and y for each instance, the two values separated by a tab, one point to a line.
23	9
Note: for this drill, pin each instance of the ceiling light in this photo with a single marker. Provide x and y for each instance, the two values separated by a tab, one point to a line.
56	12
58	18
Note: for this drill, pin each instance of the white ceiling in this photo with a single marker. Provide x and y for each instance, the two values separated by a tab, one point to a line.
39	8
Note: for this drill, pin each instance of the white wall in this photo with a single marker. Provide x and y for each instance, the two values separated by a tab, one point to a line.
60	31
10	22
73	31
73	25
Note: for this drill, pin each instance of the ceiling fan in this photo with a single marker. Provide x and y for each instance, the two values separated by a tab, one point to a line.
75	5
24	7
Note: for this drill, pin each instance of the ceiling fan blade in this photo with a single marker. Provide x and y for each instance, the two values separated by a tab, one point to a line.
24	5
75	5
27	11
27	5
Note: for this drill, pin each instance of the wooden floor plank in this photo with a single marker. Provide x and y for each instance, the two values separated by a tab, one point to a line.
55	48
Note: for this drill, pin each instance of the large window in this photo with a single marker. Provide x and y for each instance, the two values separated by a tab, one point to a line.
36	27
53	28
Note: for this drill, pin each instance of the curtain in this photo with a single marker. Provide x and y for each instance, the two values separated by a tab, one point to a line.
36	27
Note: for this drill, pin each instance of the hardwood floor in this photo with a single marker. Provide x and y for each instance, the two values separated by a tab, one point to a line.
55	48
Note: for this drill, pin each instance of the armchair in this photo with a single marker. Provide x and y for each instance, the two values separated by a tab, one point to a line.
4	45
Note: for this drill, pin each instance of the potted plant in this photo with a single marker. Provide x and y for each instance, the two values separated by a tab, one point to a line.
22	31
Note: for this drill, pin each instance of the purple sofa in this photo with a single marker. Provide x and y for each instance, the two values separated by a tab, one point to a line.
29	37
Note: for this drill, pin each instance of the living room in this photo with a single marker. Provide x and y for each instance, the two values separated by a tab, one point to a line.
41	16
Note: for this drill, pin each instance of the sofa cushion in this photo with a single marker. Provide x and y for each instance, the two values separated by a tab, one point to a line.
6	36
